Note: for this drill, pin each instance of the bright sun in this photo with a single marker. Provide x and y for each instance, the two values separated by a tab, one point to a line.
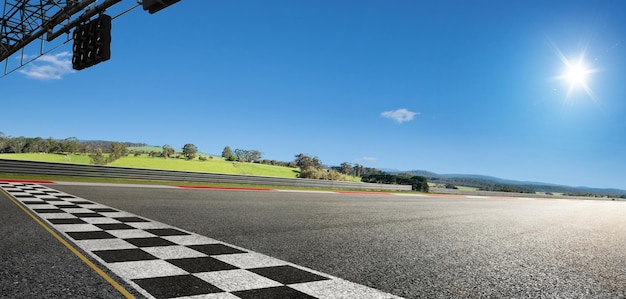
576	74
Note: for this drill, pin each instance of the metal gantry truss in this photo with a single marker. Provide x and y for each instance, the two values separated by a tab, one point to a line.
26	21
20	23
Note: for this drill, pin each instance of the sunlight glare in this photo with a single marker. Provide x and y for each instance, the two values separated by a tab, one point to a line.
576	74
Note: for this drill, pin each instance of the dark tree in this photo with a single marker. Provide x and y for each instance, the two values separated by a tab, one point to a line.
16	145
248	155
242	155
346	168
97	157
190	151
358	170
304	161
53	146
71	145
118	150
227	152
254	155
418	183
34	145
3	142
168	151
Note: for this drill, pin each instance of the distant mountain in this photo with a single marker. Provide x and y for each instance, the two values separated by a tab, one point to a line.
493	183
495	179
389	170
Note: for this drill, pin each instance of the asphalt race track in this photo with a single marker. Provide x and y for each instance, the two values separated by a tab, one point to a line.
162	261
409	246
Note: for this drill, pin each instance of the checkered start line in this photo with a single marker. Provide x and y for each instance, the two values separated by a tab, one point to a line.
162	261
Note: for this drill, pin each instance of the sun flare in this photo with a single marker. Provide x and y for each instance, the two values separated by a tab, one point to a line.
576	74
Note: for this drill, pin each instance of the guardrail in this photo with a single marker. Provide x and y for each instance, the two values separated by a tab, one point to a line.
111	172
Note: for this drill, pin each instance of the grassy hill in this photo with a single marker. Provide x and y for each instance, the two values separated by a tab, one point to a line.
214	165
158	149
58	158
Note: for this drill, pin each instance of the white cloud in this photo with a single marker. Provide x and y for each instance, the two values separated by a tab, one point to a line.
366	160
49	67
400	115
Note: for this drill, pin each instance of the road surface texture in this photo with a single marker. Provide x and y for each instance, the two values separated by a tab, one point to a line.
414	247
163	261
33	264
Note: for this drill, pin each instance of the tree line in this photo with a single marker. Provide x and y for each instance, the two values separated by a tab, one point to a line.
70	145
418	183
311	167
104	152
19	145
96	149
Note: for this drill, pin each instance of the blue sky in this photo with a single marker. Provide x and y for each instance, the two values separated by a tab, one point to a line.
446	86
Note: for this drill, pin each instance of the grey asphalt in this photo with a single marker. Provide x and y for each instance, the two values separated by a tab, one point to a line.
415	247
33	264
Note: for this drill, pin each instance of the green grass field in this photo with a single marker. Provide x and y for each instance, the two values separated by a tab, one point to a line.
59	158
215	165
148	149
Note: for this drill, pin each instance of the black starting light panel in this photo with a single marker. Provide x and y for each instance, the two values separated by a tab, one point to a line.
92	43
153	6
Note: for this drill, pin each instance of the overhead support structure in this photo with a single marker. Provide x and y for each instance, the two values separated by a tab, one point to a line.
82	18
26	21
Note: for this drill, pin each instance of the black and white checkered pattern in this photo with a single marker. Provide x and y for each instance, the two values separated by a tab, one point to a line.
162	261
